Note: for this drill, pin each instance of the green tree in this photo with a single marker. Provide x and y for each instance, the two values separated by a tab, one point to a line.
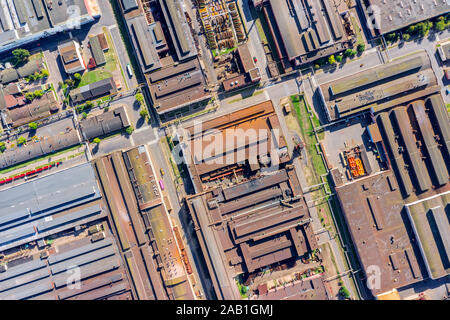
143	113
129	129
331	59
361	47
89	104
343	291
70	82
2	146
33	125
392	37
96	140
349	53
339	58
45	73
38	93
411	30
423	28
316	66
84	115
80	108
77	76
406	36
29	96
440	25
139	98
21	140
20	56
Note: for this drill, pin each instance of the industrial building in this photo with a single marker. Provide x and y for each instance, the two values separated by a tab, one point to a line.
145	39
26	208
373	209
93	90
145	28
251	225
429	219
25	113
249	73
180	30
58	221
416	146
386	16
142	226
71	56
307	30
444	51
172	69
26	21
254	131
45	146
300	290
105	123
248	211
178	88
379	88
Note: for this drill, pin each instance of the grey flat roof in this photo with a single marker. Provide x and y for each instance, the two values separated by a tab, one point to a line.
143	41
89	270
179	28
396	156
33	150
396	14
289	28
23	280
31	278
436	159
82	260
431	227
436	103
129	5
28	290
418	166
22	269
67	218
443	227
33	20
381	73
56	258
49	194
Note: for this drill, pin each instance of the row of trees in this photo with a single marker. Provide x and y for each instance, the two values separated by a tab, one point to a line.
37	75
85	107
334	59
30	96
128	130
143	112
421	29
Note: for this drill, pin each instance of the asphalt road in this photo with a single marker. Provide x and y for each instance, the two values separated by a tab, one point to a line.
123	56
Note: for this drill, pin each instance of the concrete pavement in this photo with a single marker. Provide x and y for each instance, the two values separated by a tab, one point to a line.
254	41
